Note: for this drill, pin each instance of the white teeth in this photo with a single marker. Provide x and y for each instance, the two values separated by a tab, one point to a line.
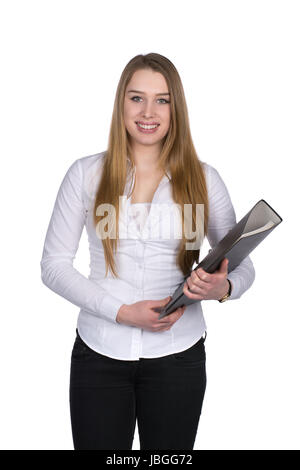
147	127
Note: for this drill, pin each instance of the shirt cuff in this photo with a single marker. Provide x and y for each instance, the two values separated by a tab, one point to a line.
236	287
110	307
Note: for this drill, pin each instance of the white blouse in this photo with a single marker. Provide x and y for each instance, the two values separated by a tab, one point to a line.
145	260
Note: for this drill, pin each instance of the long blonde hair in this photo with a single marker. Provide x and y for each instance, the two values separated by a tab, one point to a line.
178	155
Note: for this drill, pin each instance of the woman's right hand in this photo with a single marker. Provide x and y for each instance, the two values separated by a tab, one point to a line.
142	315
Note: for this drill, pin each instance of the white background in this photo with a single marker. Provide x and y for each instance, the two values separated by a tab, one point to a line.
239	64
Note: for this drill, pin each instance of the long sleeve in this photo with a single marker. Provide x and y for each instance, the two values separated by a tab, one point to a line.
221	219
60	247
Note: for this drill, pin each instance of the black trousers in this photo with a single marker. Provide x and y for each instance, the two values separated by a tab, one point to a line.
163	395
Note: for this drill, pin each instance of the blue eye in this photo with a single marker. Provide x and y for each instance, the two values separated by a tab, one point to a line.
160	99
133	98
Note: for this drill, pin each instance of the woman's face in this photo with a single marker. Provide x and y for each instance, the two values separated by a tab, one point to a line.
147	102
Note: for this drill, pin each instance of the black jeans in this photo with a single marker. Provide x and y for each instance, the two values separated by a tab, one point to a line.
164	395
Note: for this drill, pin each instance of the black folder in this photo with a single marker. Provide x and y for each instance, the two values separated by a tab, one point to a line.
251	230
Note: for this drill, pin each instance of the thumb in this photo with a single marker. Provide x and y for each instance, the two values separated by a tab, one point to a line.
158	304
165	300
224	266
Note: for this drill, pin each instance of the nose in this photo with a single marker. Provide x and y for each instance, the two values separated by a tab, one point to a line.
148	109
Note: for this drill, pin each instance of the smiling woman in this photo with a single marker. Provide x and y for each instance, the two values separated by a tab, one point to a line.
150	93
126	364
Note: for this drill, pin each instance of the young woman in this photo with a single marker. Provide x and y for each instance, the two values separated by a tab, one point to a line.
126	364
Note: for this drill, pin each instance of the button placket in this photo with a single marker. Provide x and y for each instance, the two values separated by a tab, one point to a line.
137	333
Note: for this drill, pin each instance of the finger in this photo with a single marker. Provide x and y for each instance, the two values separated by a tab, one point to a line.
177	314
174	315
223	266
166	328
196	280
202	275
163	327
189	293
194	288
165	301
157	305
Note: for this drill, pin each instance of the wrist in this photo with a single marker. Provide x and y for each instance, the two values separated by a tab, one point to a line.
122	313
227	293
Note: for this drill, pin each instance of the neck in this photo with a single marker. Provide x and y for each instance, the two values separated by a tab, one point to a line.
145	157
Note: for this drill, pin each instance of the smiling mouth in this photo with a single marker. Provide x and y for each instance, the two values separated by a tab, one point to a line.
147	126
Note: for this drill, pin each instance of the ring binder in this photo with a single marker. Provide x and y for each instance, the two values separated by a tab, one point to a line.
238	243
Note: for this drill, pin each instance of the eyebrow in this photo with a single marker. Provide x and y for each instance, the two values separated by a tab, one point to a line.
142	92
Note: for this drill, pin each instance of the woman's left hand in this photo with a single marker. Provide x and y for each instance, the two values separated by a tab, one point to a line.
206	286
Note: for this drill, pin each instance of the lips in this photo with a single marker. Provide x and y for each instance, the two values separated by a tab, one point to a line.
146	130
147	123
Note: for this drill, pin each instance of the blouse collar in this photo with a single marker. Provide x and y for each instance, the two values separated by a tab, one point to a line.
165	177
